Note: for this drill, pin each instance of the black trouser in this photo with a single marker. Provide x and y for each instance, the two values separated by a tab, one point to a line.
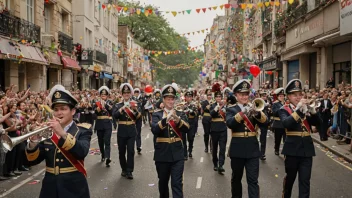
302	166
126	144
219	139
263	134
279	133
138	137
20	155
104	140
175	170
206	127
324	126
189	135
252	174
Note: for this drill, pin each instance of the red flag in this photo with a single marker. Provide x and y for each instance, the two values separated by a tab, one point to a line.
198	10
227	5
204	9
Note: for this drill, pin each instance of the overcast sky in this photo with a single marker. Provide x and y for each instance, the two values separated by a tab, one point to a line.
189	22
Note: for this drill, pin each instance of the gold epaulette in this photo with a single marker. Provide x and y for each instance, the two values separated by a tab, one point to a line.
231	105
157	110
84	125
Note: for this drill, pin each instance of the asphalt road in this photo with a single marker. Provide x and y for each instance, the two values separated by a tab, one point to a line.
330	177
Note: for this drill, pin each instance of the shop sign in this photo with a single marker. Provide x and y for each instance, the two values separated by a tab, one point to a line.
269	65
97	68
345	17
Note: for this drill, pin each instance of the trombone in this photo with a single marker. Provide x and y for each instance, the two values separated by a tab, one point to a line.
9	143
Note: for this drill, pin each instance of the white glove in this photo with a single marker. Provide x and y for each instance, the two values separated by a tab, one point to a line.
312	111
223	110
299	105
191	111
169	116
216	108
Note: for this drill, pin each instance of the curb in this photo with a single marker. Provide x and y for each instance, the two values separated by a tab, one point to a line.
348	158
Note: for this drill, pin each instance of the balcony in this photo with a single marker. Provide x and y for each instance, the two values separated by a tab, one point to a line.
280	25
15	27
100	56
266	29
295	13
66	42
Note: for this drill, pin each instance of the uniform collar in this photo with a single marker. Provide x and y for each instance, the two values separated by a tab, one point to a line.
66	128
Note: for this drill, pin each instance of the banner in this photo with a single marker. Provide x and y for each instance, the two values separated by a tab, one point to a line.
345	17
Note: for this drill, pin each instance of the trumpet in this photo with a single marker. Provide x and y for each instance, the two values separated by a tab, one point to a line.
9	143
314	103
257	104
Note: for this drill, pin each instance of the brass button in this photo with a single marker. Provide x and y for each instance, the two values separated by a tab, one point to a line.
245	128
58	151
57	160
171	133
46	149
61	160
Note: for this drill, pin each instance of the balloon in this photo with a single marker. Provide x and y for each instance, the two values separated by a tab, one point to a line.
269	72
148	89
255	70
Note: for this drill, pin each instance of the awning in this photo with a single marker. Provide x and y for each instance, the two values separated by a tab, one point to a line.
53	58
32	54
70	63
7	48
108	76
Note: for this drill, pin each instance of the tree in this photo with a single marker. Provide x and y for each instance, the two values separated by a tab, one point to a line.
153	32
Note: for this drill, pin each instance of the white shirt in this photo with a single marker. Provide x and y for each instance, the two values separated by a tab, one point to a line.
66	128
126	103
325	103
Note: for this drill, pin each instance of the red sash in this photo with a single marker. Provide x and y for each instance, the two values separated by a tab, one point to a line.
222	114
174	127
99	105
304	122
247	122
79	164
130	113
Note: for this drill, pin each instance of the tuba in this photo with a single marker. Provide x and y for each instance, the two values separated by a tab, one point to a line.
9	143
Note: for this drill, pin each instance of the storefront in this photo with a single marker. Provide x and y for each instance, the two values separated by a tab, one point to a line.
272	68
69	72
54	69
341	59
292	70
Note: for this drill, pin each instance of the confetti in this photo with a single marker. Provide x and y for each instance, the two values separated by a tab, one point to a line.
34	182
105	188
151	185
276	175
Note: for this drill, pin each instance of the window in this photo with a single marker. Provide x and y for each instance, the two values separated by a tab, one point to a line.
64	22
88	38
97	9
47	18
30	11
106	19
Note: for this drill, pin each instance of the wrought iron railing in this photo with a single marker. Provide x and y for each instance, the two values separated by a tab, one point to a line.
12	26
280	25
266	28
297	13
65	42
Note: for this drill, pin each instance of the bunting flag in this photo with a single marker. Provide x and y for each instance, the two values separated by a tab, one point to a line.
195	63
150	11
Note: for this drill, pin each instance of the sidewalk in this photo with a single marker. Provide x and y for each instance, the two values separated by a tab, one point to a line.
339	150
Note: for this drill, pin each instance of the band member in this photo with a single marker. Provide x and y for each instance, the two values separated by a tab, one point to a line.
206	120
126	113
218	130
103	125
278	128
325	114
191	112
243	118
167	127
297	118
137	97
157	95
264	126
64	152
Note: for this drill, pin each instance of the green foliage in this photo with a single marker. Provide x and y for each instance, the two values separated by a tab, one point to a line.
182	77
153	32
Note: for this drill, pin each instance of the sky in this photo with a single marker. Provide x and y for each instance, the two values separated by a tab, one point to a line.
189	22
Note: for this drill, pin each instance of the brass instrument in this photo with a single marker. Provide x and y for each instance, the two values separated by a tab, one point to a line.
257	104
335	108
9	143
314	103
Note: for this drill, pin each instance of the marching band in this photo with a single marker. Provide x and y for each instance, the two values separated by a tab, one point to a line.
173	116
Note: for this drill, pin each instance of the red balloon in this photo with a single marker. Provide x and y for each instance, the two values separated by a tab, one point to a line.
148	89
269	72
255	70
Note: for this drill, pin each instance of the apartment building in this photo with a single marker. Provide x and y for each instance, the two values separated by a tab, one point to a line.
96	29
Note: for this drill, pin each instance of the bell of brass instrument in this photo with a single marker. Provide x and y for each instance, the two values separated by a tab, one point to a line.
9	143
314	103
257	104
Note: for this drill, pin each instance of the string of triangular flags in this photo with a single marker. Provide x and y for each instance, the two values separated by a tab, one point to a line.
158	52
150	11
195	63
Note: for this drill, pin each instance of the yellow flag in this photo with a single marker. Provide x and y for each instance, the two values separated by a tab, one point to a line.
202	31
125	9
174	13
221	6
260	4
250	5
215	7
290	1
159	52
146	13
243	6
277	3
138	11
267	4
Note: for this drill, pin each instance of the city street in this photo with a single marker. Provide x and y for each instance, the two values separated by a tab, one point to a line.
330	178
